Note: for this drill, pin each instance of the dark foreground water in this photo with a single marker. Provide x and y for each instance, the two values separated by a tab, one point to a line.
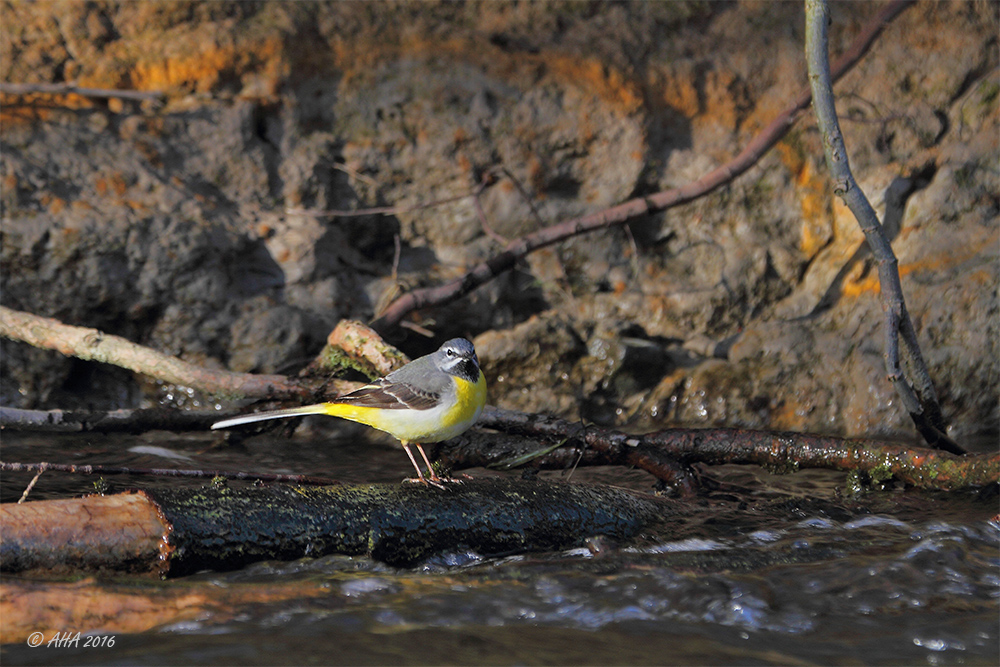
767	570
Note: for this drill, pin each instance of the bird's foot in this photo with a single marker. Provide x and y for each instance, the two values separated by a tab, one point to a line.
448	479
434	481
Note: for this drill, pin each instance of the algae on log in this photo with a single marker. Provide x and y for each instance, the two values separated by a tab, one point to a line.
222	528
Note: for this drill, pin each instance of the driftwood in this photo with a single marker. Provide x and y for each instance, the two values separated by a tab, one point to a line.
350	340
93	345
180	531
352	344
121	533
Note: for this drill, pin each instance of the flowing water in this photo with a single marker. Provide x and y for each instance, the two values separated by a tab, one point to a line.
767	570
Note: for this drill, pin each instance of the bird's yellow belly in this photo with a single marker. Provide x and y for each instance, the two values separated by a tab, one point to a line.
433	425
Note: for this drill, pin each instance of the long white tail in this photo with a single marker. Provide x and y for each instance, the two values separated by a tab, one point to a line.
318	409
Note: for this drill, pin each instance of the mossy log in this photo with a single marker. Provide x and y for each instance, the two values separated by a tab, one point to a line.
180	531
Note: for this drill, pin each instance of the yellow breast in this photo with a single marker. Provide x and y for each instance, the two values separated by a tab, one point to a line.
451	418
471	397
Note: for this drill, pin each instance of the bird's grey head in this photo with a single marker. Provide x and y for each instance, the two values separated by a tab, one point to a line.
458	357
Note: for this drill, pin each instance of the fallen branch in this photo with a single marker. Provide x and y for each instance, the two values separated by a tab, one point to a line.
919	398
783	451
778	451
93	345
635	208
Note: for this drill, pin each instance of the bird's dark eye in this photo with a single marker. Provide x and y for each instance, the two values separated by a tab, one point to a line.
451	352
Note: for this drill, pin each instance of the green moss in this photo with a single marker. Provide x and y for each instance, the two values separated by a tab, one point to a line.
335	361
880	474
877	478
785	468
854	484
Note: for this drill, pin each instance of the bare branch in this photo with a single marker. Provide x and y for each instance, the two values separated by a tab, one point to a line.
919	398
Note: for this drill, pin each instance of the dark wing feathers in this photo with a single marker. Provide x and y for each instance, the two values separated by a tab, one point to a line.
391	396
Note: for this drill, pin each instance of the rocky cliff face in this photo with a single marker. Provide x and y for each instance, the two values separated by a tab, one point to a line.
198	225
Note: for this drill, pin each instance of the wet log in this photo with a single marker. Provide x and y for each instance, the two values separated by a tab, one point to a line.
120	533
179	531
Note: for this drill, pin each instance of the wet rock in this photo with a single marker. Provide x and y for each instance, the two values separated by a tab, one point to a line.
529	367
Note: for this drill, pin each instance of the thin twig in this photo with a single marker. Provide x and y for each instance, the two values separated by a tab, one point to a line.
576	464
396	254
357	213
162	472
919	398
416	328
635	208
42	467
524	195
635	252
391	210
485	223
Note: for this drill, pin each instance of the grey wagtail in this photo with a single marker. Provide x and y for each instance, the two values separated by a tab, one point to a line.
430	399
